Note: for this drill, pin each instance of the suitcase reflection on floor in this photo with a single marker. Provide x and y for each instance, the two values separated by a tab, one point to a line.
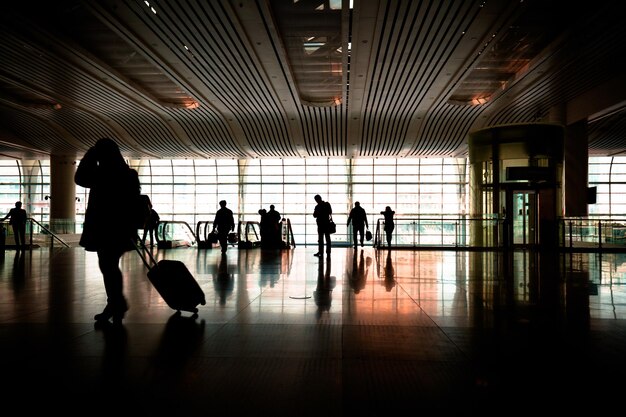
174	282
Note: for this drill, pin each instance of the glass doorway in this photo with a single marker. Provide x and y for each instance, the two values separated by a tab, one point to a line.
523	218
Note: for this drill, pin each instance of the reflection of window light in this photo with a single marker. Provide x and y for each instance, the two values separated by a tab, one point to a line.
151	8
336	4
310	47
478	101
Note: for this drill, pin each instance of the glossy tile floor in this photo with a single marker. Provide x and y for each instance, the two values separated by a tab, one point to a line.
363	333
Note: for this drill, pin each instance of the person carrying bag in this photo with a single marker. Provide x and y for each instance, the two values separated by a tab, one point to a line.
323	216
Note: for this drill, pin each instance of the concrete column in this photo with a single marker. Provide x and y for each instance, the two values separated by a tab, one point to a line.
62	193
575	162
576	170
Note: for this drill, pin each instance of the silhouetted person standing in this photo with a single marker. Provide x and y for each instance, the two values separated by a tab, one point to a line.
322	213
358	218
274	218
264	229
224	223
152	222
113	184
389	224
18	223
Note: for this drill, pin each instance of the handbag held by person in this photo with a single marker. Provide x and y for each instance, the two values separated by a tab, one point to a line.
332	227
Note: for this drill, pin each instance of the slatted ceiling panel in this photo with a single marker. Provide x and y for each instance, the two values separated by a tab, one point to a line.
13	147
606	135
84	133
49	120
443	130
41	134
379	96
436	129
315	139
157	136
419	60
209	133
166	139
129	58
22	95
92	94
562	83
219	58
119	70
324	131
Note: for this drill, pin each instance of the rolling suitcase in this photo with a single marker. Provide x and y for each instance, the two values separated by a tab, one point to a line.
174	282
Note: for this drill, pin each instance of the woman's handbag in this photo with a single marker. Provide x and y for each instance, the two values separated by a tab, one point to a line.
368	235
332	227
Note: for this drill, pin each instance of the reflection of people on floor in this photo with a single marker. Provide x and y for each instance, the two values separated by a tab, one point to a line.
223	281
358	276
390	280
325	284
19	274
269	268
115	356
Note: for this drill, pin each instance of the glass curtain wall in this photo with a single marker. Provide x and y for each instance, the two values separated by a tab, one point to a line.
608	175
189	190
29	182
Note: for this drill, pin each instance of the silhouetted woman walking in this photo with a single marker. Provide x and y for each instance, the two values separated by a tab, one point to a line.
109	229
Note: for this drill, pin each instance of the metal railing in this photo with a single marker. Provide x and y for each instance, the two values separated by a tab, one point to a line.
574	234
577	233
463	232
248	234
173	233
37	235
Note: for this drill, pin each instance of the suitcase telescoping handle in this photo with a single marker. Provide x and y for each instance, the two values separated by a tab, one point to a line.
145	254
